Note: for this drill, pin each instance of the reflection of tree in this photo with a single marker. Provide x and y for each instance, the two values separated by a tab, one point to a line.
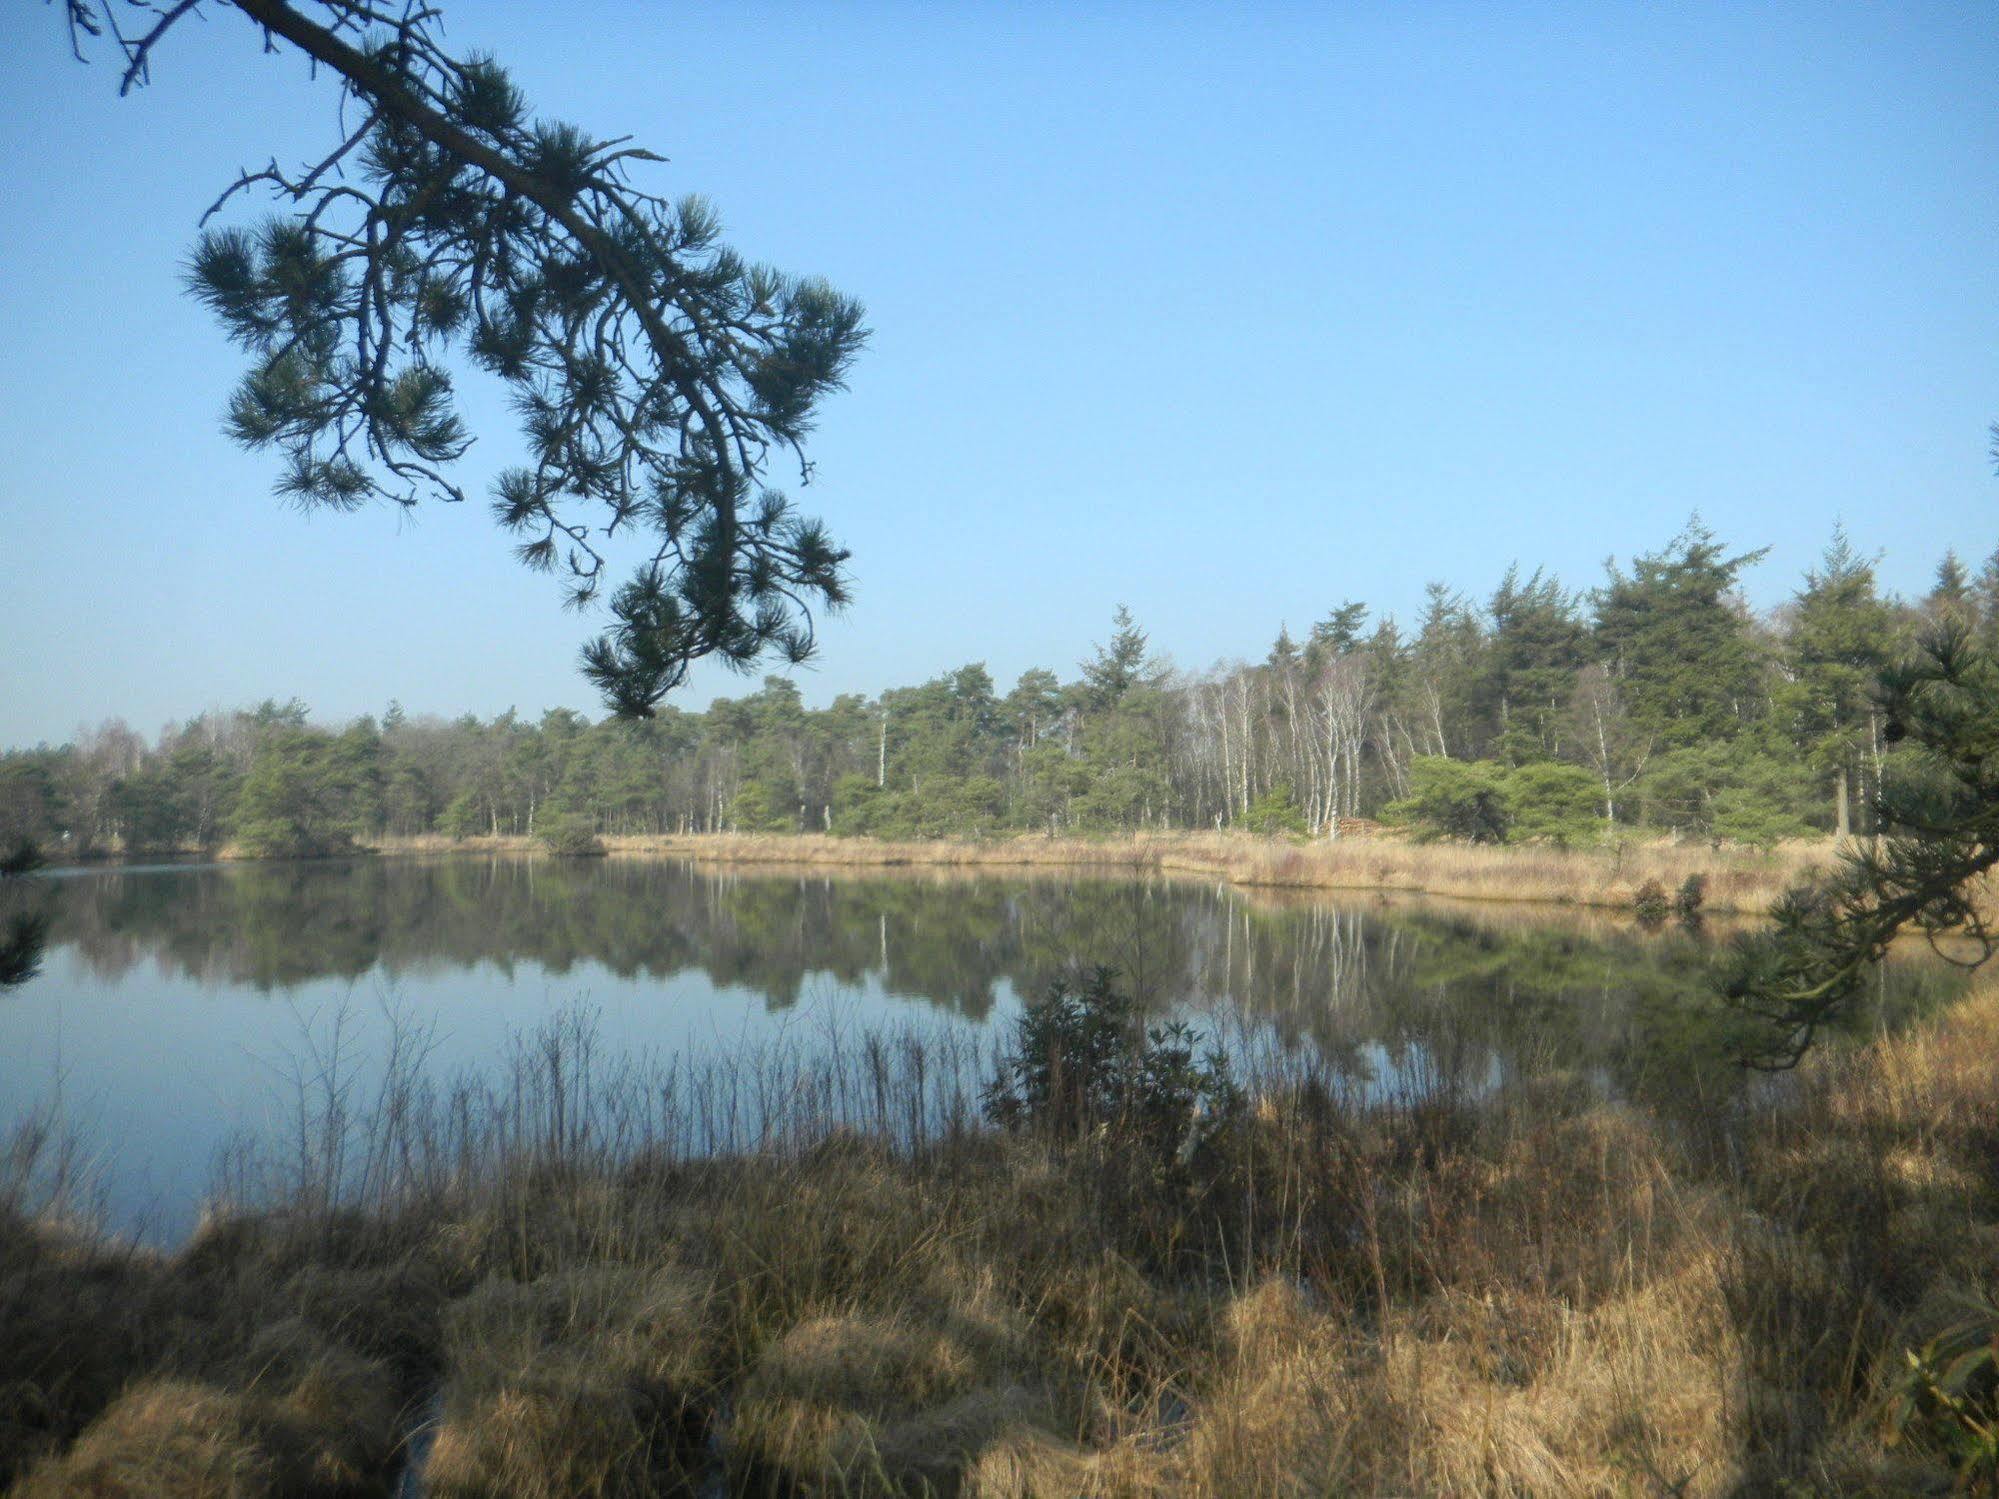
1425	990
24	925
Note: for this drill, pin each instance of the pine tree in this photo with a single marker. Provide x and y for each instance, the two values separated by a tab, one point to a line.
1677	640
1114	669
1941	808
1534	654
1841	637
658	374
1950	596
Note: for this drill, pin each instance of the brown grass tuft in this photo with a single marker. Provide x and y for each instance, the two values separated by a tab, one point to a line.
592	1381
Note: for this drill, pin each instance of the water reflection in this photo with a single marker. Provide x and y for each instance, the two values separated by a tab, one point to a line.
169	990
1343	975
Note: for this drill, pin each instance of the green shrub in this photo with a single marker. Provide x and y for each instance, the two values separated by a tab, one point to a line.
1463	799
1649	903
572	838
1553	803
1690	897
1082	1059
1275	813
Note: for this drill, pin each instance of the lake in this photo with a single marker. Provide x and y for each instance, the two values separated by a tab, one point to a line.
181	1007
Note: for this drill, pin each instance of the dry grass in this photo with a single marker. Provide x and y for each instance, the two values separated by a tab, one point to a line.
1543	1294
1739	880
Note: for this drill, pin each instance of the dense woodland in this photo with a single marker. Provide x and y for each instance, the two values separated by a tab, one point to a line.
1655	702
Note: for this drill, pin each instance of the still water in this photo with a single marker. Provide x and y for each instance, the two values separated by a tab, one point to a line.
178	1006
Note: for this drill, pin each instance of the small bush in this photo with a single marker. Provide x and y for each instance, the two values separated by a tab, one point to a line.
1083	1060
1455	799
1275	813
1649	904
572	838
1690	897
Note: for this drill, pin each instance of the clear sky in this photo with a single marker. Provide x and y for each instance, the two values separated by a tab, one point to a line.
1229	312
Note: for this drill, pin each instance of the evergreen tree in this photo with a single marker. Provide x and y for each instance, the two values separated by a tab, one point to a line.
1533	656
1338	633
1678	643
1116	668
295	802
1840	639
658	374
1941	807
1446	665
1950	597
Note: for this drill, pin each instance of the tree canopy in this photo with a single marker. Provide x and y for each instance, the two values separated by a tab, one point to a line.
658	375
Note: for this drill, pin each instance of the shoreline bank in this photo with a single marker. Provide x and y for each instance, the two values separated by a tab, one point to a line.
1739	881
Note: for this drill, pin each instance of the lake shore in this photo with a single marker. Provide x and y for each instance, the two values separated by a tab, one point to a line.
1550	1296
1739	881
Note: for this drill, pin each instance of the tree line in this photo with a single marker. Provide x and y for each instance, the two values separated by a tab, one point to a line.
1655	702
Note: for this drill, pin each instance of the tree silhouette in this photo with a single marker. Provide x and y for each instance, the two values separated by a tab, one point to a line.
26	932
656	372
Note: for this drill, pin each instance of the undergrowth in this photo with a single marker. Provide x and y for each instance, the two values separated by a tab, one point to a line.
1152	1272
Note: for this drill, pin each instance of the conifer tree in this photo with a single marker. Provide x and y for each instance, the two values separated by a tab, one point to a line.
1534	653
1114	669
1677	642
1841	637
1940	808
1950	596
658	374
26	932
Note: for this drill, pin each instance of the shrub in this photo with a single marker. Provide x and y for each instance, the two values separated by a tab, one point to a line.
1083	1060
1650	904
1690	897
1456	799
572	838
1275	812
1553	803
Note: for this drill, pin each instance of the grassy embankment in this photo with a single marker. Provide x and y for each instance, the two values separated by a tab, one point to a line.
1548	1295
1740	881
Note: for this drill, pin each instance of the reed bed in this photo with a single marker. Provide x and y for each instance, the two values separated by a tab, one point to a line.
823	1273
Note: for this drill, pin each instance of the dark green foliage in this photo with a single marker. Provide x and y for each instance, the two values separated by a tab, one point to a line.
1477	801
572	838
1649	903
1690	897
1538	645
1752	789
1551	803
1083	1059
1275	813
1354	723
1678	644
26	931
1842	637
1458	799
1120	666
657	374
1940	805
297	800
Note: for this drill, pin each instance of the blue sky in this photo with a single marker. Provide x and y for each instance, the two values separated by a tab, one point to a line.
1225	312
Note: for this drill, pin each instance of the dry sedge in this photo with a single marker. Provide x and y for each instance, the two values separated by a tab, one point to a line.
1540	1294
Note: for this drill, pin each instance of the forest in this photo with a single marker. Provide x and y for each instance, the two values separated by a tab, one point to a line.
1655	703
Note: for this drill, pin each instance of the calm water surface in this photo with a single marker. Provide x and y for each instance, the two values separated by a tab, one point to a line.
178	1004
